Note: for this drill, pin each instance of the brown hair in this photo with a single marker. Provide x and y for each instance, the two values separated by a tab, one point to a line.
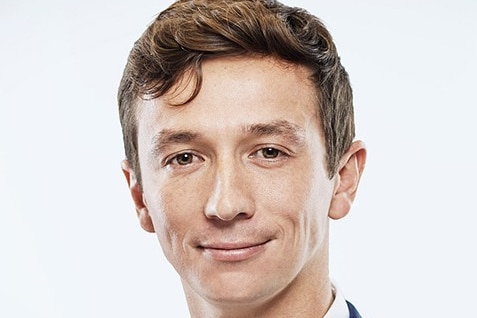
191	31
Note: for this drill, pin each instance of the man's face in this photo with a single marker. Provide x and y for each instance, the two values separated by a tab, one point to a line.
235	181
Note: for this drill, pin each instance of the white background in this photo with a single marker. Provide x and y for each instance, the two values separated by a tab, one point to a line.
70	245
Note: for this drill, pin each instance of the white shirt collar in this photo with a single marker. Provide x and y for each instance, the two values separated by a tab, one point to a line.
339	308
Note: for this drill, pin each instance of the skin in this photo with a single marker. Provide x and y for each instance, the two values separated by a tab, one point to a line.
234	185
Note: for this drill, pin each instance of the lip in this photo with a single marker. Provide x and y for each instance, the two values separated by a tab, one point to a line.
233	252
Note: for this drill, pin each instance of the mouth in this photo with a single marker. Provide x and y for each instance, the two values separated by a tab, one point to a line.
233	252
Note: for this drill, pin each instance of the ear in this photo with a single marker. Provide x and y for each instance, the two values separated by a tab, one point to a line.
347	180
138	198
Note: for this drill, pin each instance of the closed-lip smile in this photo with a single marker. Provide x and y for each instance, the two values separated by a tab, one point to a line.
233	252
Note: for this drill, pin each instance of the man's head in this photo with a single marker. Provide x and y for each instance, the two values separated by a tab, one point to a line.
238	115
190	32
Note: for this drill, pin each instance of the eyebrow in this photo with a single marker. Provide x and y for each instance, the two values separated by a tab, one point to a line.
169	137
282	128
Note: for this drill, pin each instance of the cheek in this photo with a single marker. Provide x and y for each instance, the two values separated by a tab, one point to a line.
301	201
172	201
175	210
317	209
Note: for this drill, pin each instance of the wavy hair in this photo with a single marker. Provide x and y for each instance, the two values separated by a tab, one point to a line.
192	31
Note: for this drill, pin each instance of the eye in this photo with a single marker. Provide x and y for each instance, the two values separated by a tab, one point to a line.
182	159
270	153
270	157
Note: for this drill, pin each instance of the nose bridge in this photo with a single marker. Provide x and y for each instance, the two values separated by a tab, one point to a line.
230	195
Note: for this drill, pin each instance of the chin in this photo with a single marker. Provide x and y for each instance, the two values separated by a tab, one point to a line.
237	289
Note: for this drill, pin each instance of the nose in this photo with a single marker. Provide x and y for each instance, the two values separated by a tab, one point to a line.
231	196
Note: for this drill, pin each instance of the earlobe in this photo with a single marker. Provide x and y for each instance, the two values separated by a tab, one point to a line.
347	180
137	196
145	220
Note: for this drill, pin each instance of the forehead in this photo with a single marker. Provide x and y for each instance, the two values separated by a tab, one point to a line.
241	70
243	90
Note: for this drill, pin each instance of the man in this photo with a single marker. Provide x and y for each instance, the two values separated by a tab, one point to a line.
238	127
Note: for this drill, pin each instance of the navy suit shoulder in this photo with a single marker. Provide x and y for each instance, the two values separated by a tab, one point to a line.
353	313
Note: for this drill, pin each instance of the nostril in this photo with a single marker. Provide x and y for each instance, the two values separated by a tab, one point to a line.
229	216
227	209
